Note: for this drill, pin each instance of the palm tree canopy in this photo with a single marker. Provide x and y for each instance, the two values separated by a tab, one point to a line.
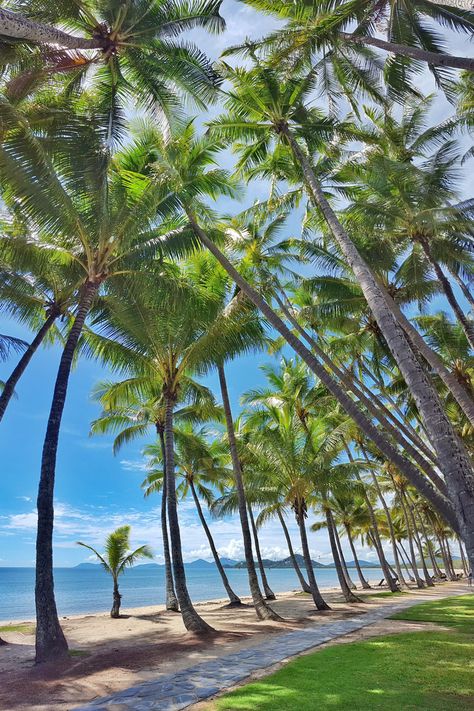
117	554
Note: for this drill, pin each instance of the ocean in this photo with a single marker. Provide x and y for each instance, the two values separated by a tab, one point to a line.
88	590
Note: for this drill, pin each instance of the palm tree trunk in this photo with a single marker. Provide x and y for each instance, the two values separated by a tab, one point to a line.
453	459
233	598
465	566
192	621
363	581
405	561
464	288
304	585
444	556
346	591
171	599
459	392
345	569
437	59
263	611
117	599
318	599
12	24
50	640
269	594
10	384
389	522
416	535
376	410
450	558
419	481
411	548
466	325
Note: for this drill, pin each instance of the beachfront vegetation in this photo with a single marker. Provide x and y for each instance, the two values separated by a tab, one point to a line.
386	672
136	243
117	557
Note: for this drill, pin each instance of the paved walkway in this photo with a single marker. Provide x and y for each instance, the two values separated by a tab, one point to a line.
199	682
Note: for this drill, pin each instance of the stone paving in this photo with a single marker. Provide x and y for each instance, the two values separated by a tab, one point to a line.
176	691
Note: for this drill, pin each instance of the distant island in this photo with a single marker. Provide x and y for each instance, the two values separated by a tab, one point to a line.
200	563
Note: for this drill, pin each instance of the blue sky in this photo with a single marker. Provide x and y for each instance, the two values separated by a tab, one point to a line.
95	491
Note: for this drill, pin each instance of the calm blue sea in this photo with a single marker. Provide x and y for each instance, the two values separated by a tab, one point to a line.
89	590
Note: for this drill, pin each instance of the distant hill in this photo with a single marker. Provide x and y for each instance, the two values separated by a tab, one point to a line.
85	566
285	563
362	563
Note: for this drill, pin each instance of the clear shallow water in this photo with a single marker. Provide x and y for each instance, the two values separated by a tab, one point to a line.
81	590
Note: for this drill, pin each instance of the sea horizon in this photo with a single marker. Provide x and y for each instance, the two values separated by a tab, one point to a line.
88	590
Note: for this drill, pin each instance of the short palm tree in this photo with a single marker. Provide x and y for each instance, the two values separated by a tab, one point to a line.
116	558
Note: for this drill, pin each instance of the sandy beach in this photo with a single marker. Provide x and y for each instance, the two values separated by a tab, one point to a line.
109	655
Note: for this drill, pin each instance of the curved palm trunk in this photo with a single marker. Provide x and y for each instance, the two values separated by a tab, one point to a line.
234	599
346	591
263	611
416	535
411	548
459	392
463	557
450	558
444	554
171	599
436	59
466	325
406	561
10	384
192	621
269	594
12	24
379	411
452	456
50	640
465	290
390	525
363	581
318	599
117	599
304	585
415	477
345	569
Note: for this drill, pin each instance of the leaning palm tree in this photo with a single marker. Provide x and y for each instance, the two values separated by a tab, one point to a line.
319	25
116	558
124	51
188	167
263	108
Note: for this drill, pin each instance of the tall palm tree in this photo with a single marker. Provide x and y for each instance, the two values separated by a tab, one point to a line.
117	558
188	167
124	51
86	206
200	465
262	107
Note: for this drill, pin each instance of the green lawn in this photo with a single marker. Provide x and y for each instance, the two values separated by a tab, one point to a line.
457	612
433	671
25	628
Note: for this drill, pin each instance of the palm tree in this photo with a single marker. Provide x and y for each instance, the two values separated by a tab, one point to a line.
319	25
116	558
263	107
130	408
36	291
125	51
86	206
187	166
200	465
